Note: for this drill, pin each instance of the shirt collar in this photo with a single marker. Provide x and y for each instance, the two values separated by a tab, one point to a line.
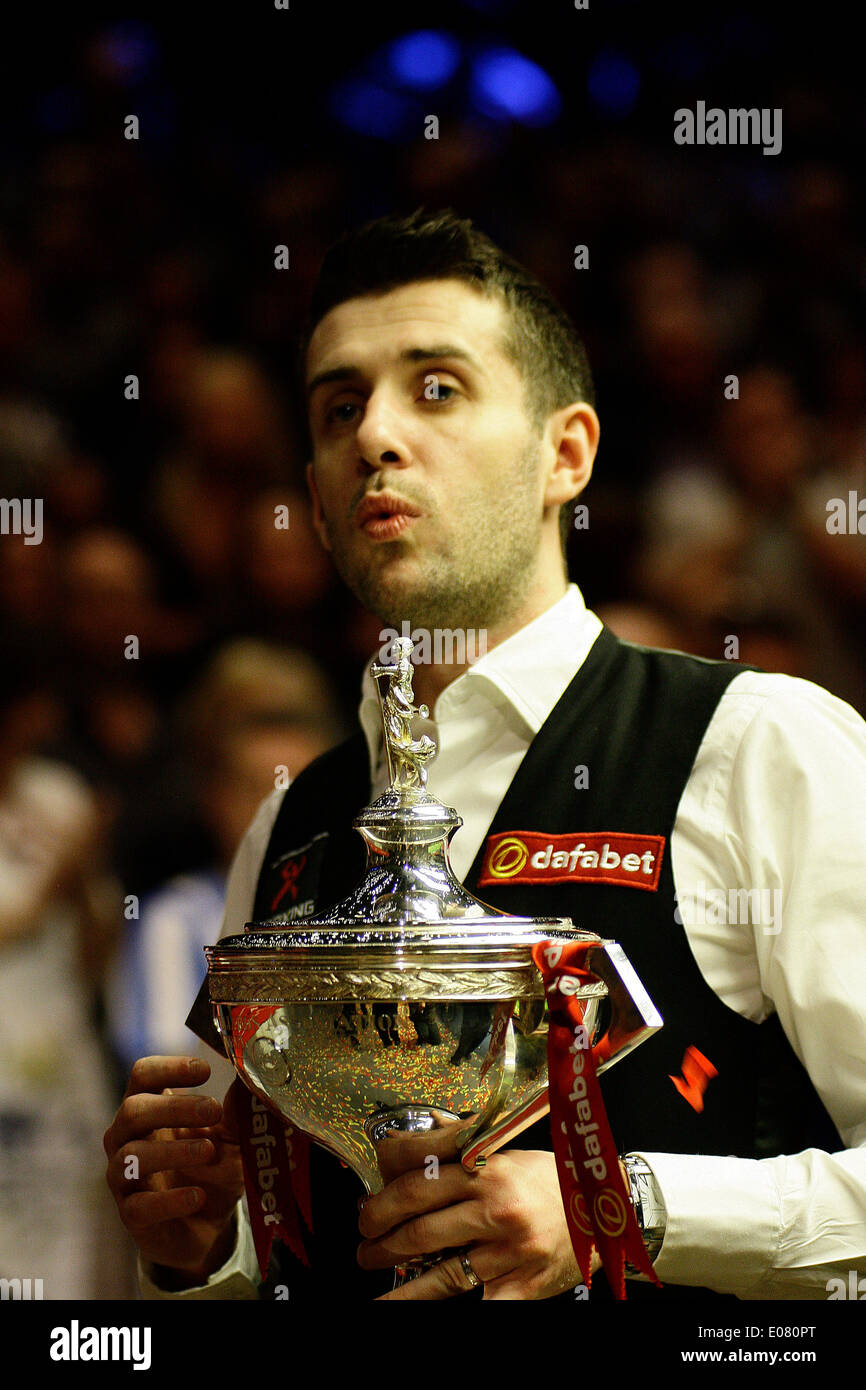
530	669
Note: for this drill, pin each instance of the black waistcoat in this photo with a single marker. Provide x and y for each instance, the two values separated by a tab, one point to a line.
634	718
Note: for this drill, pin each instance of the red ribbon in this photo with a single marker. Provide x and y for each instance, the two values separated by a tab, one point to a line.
501	1020
276	1159
597	1205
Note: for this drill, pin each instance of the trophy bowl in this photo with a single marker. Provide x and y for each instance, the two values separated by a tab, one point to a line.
357	1033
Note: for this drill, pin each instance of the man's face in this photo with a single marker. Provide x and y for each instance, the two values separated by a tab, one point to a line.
415	406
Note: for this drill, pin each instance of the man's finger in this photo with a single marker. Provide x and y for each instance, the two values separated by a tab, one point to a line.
400	1152
139	1115
425	1235
141	1210
156	1073
411	1195
140	1159
448	1279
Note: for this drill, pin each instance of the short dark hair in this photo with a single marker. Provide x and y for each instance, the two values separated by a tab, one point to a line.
393	251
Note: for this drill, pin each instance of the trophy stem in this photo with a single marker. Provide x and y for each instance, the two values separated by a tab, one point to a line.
409	1137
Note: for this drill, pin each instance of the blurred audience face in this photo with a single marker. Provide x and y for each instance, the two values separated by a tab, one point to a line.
672	322
28	580
766	436
232	421
27	725
107	594
78	491
259	710
648	627
283	568
252	760
171	359
123	721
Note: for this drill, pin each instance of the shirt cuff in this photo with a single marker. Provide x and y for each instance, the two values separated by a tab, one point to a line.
239	1277
723	1222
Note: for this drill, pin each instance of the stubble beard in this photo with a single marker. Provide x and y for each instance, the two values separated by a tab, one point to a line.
480	585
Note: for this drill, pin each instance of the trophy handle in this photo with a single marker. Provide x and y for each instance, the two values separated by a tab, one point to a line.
484	1123
632	1018
474	1153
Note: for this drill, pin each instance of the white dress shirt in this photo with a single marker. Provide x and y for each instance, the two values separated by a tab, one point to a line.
777	798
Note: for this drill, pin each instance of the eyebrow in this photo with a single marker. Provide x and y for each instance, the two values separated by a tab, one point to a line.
347	371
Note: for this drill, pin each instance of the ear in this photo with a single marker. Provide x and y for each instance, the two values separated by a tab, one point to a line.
318	514
574	435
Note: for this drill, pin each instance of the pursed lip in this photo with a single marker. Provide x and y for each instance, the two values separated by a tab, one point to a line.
383	505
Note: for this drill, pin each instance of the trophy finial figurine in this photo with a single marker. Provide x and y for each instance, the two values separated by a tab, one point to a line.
406	756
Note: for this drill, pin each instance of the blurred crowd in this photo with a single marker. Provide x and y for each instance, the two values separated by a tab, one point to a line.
179	633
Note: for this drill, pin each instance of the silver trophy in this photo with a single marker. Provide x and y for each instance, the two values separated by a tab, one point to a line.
409	1020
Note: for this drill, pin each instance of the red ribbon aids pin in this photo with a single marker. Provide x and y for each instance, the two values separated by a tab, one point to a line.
698	1072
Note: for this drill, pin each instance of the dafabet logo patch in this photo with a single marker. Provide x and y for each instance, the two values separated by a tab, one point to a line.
531	856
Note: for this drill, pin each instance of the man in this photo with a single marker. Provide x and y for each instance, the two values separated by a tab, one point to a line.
452	426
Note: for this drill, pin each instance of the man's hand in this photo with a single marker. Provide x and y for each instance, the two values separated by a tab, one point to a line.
174	1167
510	1212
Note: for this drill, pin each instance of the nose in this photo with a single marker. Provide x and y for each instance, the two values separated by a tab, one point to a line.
380	436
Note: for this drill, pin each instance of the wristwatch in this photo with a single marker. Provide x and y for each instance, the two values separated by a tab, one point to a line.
648	1203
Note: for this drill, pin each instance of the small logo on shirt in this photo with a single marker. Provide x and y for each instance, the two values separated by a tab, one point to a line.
530	856
295	872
